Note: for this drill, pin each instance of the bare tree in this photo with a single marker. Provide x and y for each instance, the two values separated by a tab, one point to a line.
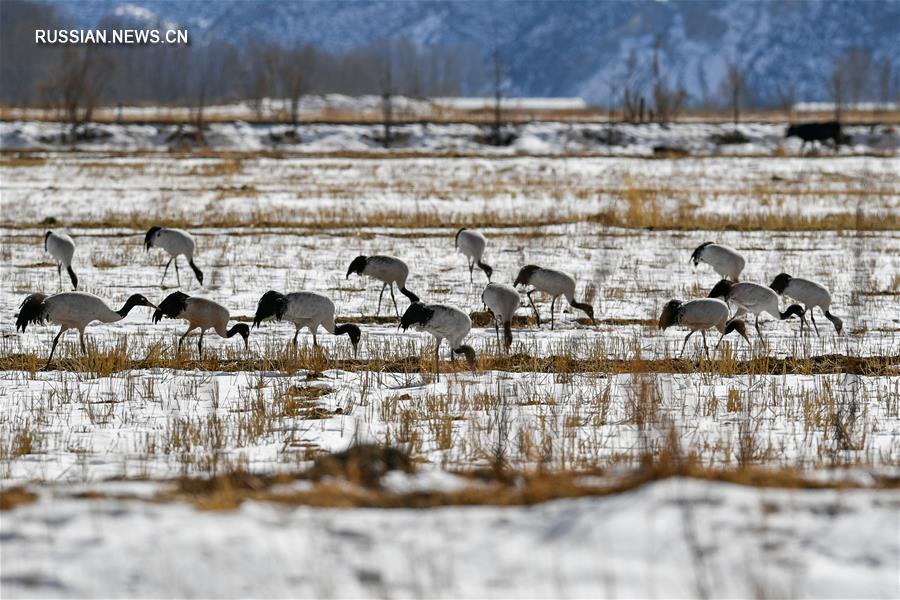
77	84
668	102
734	89
787	97
632	101
857	65
837	86
387	92
498	97
296	72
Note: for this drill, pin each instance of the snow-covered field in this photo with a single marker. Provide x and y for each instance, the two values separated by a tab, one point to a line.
623	226
551	138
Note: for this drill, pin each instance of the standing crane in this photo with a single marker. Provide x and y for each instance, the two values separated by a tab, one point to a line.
552	282
700	315
756	299
386	269
725	261
201	314
304	309
502	301
61	248
176	242
810	294
443	322
471	244
72	310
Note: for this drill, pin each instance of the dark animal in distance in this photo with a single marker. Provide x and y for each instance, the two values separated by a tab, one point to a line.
816	132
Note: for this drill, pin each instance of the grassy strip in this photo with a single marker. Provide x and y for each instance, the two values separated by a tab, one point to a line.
116	361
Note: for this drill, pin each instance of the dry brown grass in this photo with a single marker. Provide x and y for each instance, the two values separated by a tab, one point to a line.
16	496
116	360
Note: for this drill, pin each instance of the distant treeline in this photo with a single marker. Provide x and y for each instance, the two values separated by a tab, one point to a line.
213	70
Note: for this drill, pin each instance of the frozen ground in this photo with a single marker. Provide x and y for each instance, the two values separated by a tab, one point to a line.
624	227
673	539
551	138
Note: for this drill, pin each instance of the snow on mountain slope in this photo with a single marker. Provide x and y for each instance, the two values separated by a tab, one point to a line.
571	48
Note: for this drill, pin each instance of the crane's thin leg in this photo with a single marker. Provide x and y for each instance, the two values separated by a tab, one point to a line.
437	369
81	335
705	347
200	341
471	268
396	310
53	347
177	276
315	341
812	317
165	272
552	305
533	307
59	274
680	354
181	339
497	329
380	296
296	333
757	329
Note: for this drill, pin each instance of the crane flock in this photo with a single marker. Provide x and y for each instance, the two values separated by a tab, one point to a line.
76	310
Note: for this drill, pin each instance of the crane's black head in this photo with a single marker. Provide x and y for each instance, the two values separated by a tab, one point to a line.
416	314
148	239
721	289
739	326
695	257
241	329
272	304
456	239
780	283
171	307
357	266
139	300
669	316
525	273
46	235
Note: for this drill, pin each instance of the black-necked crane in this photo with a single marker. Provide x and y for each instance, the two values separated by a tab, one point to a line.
808	293
725	261
176	242
700	315
502	301
72	310
304	309
386	269
202	314
756	299
443	322
555	284
471	244
62	249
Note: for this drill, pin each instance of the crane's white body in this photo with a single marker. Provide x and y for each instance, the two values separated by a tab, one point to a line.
554	283
62	248
808	293
700	315
71	310
204	314
176	242
387	269
754	298
725	261
471	244
704	313
502	300
447	323
77	310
